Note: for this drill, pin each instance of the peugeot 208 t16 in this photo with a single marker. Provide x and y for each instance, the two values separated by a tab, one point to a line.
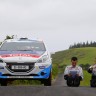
25	59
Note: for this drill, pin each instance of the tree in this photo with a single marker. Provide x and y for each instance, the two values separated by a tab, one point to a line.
80	45
9	37
83	44
87	44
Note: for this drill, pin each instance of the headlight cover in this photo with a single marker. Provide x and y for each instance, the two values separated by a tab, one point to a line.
43	59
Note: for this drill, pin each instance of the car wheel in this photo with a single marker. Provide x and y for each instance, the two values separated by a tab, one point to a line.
3	83
47	82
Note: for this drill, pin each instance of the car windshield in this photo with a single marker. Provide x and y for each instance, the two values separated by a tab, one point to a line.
23	46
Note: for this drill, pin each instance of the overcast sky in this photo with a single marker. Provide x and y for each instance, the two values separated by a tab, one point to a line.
60	23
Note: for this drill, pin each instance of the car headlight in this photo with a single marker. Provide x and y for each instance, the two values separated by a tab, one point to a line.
43	59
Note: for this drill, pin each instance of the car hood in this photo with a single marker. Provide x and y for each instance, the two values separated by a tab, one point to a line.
20	56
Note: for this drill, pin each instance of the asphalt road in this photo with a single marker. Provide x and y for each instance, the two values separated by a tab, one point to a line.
58	88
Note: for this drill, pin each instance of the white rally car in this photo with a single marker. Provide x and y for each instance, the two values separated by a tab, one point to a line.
25	59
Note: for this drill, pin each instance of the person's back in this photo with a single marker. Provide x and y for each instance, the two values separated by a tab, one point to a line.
73	73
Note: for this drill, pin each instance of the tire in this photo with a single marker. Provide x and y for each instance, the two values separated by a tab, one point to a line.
47	82
3	83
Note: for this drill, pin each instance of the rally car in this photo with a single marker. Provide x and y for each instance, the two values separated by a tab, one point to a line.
25	59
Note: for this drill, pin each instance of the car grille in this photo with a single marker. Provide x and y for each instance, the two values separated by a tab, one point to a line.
30	65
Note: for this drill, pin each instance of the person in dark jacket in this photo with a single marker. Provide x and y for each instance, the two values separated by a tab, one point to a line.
92	70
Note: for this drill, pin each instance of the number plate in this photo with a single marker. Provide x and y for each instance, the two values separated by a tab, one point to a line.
19	67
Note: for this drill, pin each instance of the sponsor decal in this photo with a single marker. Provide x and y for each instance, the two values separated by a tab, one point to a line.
42	67
1	67
22	55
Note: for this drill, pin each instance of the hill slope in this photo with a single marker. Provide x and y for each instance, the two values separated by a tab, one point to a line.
85	55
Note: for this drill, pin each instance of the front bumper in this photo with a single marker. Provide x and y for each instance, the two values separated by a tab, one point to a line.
40	71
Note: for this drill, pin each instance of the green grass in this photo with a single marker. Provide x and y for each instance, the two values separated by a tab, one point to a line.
86	80
25	82
54	71
85	55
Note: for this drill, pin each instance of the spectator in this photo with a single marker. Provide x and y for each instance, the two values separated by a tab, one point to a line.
73	73
92	70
